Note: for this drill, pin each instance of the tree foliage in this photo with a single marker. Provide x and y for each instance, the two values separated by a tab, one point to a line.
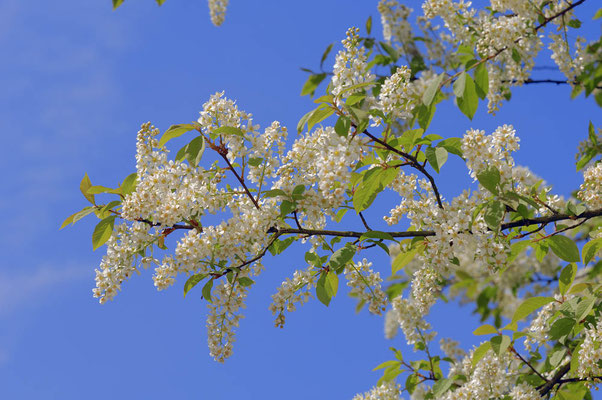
527	260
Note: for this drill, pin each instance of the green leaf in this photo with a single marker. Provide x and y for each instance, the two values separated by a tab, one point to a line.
403	259
325	54
591	249
436	157
516	55
192	282
229	130
368	25
342	256
280	245
480	352
342	126
102	189
312	83
192	152
490	178
441	386
274	193
469	101
584	307
485	330
431	90
460	85
355	98
318	116
303	121
322	293
494	213
206	291
84	185
574	23
425	115
375	180
567	276
390	51
598	14
117	3
561	327
77	216
499	344
452	145
103	232
175	131
481	80
529	305
387	364
564	247
160	2
332	283
244	281
128	185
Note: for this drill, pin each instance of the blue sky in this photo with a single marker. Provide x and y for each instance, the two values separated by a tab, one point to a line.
77	80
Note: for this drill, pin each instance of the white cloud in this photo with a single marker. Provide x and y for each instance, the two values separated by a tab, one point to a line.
24	289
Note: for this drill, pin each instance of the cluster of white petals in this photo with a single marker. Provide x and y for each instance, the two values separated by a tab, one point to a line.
292	291
350	66
365	285
396	95
591	188
386	391
590	352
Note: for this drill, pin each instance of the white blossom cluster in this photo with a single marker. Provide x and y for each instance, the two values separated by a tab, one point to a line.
350	66
386	391
591	188
590	352
292	291
396	95
394	19
119	262
217	11
365	285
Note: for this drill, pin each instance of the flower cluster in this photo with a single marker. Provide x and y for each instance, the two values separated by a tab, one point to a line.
387	391
365	285
591	188
590	352
291	292
396	95
350	67
217	11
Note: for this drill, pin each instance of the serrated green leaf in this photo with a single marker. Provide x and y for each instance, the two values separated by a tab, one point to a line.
584	307
342	126
452	145
175	131
102	189
564	247
77	216
325	54
529	305
441	386
561	327
375	180
460	84
318	116
332	283
102	232
369	25
192	282
387	364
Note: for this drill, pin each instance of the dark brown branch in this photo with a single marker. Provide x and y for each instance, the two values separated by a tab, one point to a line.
513	350
545	389
242	182
413	162
364	221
